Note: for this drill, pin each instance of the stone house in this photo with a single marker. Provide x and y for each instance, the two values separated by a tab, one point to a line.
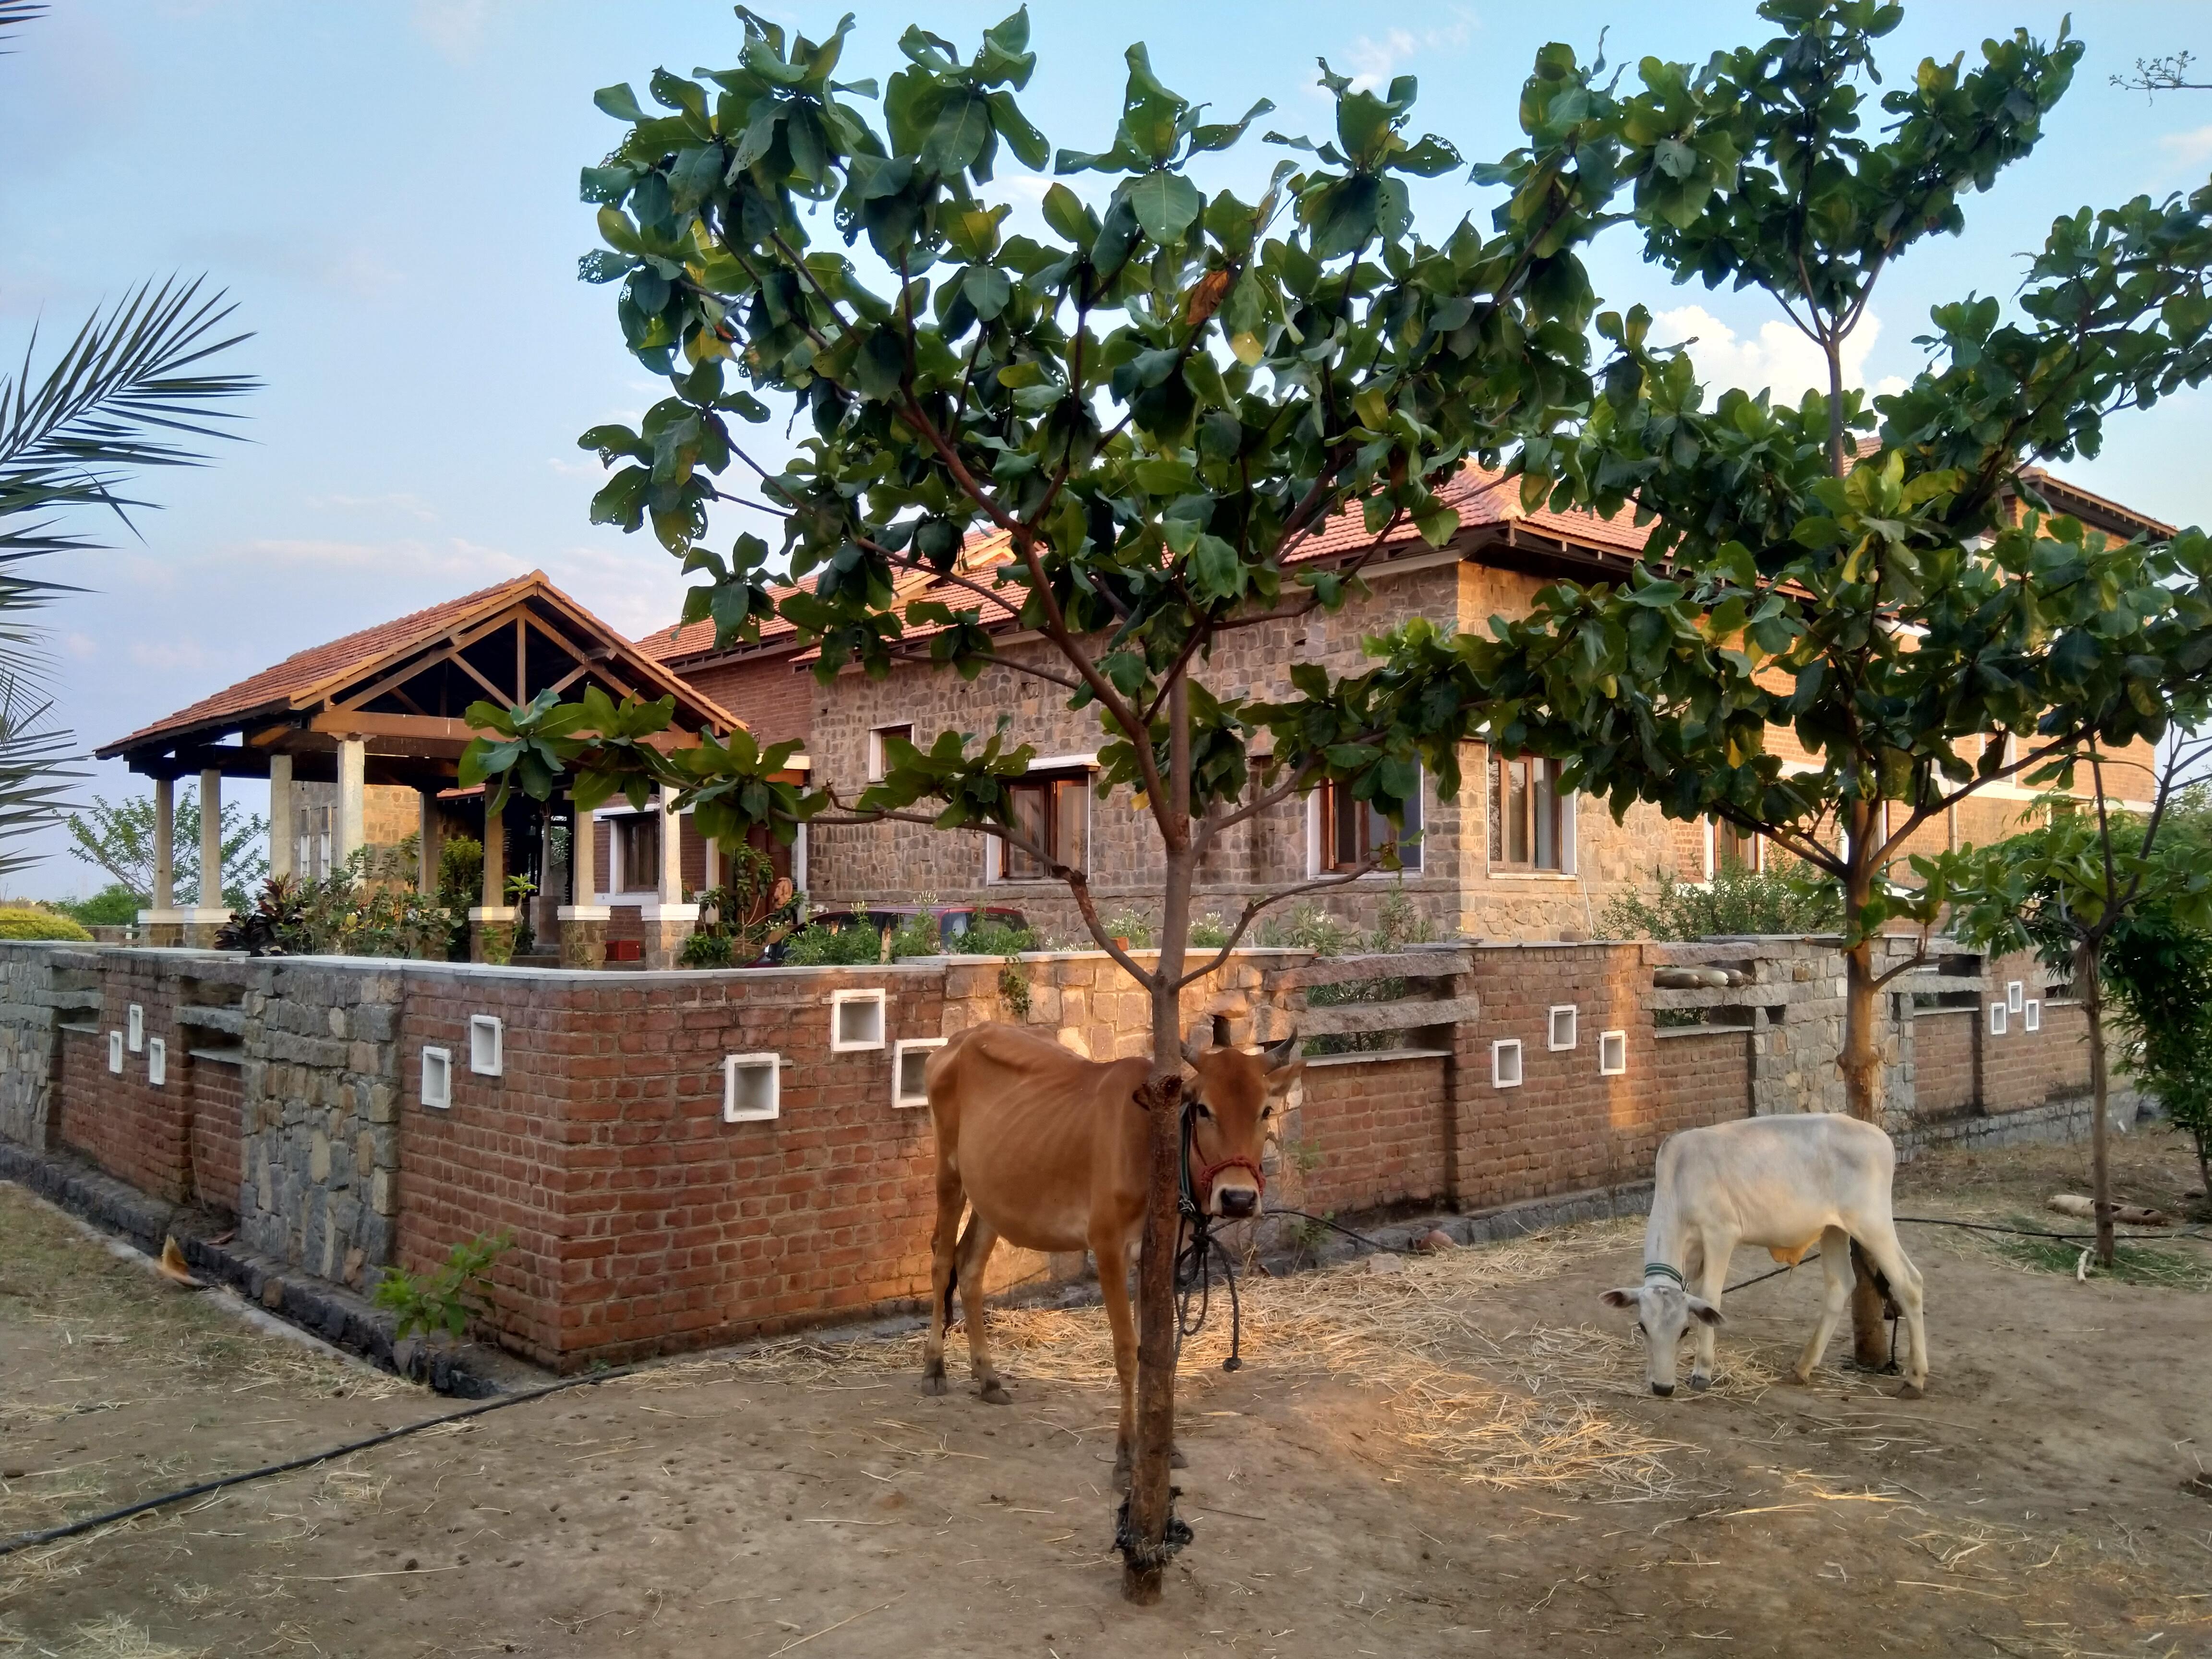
1508	858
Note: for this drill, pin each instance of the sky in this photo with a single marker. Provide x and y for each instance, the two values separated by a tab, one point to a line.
388	192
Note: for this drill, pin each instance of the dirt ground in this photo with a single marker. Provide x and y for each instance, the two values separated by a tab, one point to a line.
1454	1456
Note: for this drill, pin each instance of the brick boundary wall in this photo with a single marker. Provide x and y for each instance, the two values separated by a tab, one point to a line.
643	1221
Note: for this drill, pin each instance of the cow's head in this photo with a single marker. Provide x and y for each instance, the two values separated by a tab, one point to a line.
1663	1313
1233	1098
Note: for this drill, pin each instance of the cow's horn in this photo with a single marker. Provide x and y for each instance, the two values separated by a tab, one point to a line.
1279	1054
1191	1051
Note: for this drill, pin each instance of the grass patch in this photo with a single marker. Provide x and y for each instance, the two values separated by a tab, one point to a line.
2132	1264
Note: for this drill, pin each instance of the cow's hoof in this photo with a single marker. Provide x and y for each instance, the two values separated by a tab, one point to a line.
1803	1379
1912	1391
1176	1459
994	1393
935	1384
1699	1384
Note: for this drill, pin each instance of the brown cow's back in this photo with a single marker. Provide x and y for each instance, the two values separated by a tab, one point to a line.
1037	1135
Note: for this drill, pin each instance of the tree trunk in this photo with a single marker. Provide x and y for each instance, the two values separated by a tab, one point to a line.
1151	1498
2087	962
1860	1064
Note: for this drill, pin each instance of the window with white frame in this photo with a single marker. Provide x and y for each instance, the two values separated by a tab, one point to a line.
1561	1033
1996	1019
438	1079
487	1045
134	1025
2031	1015
312	828
909	1067
857	1019
115	1051
1346	833
752	1088
2015	996
157	1062
1531	822
1612	1053
1505	1063
636	846
878	739
1052	812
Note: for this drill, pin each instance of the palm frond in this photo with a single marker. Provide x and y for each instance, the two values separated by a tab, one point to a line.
34	779
15	13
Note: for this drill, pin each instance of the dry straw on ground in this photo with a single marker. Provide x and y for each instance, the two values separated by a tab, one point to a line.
1497	1414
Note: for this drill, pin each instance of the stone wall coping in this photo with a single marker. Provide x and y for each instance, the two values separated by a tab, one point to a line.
1371	1056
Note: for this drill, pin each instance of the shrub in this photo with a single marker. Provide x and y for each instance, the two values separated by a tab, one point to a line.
707	950
1736	900
822	947
113	906
446	1298
30	922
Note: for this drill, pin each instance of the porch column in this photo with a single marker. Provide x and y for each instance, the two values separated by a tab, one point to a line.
353	798
492	923
160	923
669	920
203	920
165	843
283	838
583	920
425	844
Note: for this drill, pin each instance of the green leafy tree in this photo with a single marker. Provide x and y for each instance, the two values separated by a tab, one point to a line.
1862	592
2072	887
117	836
1736	900
1156	404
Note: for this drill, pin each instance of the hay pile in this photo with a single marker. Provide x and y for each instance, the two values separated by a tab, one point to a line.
1517	1412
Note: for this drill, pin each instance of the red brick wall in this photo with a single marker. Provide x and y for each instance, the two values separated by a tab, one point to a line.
132	1130
643	1221
1943	1060
218	1117
774	700
1377	1129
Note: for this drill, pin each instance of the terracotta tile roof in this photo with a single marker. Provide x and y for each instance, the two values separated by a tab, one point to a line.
306	677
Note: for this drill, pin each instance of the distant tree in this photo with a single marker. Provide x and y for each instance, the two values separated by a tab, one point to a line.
1737	900
113	906
117	836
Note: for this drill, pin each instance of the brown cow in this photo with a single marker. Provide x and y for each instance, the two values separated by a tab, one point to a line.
1048	1149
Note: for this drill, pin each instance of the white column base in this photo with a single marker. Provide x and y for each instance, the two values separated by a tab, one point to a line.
585	913
493	913
658	910
196	915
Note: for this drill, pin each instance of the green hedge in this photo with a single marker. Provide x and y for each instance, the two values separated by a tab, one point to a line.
24	922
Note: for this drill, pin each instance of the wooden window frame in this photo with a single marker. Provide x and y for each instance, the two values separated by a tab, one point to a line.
877	735
1346	828
1540	823
1061	811
629	827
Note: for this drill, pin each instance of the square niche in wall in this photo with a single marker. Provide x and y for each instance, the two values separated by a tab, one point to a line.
2031	1015
157	1062
857	1020
752	1088
438	1079
134	1025
1612	1053
1505	1063
1996	1019
115	1052
909	1059
487	1045
1561	1031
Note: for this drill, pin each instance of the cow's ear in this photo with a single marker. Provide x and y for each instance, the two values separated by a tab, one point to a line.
1618	1298
1191	1052
1281	1082
1702	1309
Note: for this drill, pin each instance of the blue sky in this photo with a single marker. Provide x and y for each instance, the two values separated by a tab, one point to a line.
388	190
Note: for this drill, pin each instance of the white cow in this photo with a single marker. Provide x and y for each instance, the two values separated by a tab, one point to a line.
1784	1183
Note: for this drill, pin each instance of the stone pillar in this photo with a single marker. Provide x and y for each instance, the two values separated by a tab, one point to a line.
203	920
162	923
583	920
283	831
426	844
492	923
668	920
353	800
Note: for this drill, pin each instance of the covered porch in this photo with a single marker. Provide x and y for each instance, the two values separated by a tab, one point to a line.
379	712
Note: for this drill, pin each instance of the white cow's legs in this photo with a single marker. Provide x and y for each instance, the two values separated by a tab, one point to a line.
1880	1241
1714	1249
1836	1267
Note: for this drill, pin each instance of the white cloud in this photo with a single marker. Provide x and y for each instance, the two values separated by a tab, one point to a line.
169	655
1779	359
82	647
413	506
2193	147
1371	63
